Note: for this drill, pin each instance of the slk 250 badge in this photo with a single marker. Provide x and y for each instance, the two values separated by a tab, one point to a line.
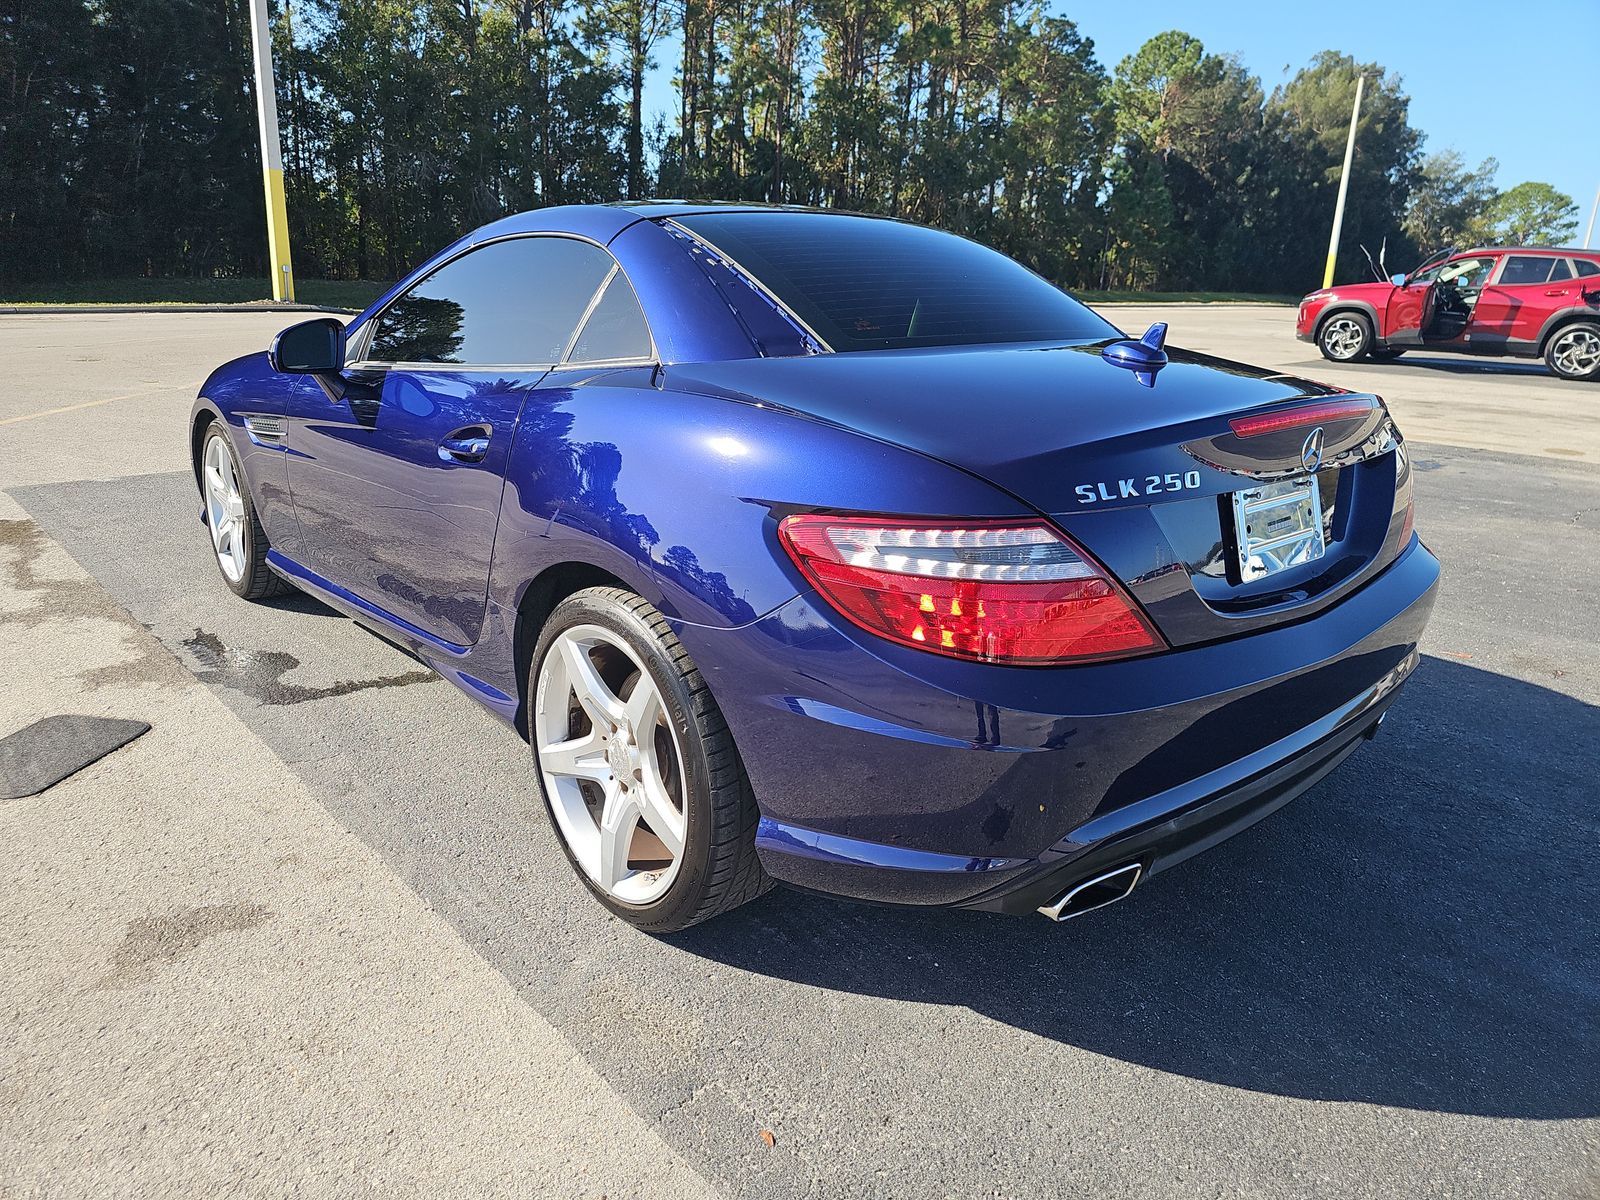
1126	489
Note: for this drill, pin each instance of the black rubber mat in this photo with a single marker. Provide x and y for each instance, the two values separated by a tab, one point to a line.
47	751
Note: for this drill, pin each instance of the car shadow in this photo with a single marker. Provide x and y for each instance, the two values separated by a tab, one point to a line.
296	601
1457	364
1420	930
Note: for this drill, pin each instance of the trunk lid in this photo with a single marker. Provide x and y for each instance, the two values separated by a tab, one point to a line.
1143	477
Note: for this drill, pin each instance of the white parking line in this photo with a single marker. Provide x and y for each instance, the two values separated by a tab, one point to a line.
66	408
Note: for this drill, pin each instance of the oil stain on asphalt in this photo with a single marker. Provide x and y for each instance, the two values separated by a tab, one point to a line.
151	941
59	600
259	673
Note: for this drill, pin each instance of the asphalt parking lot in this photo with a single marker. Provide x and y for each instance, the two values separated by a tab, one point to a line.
311	934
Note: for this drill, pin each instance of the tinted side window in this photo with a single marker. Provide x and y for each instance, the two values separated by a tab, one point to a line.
1560	271
1586	268
1524	268
510	302
616	328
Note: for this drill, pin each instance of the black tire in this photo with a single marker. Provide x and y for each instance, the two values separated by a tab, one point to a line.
256	580
1573	351
719	869
1385	353
1344	336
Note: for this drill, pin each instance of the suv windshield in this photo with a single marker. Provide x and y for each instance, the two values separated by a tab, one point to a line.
1468	271
865	283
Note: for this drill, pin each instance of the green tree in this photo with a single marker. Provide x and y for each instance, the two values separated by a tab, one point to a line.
1315	110
127	138
1448	200
853	106
1048	139
1530	214
1189	127
633	28
48	86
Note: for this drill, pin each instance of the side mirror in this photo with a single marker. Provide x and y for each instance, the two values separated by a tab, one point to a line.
309	348
1398	280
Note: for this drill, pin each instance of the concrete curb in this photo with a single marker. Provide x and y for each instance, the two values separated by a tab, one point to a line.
26	310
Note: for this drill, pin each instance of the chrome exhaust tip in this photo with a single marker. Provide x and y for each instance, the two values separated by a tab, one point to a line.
1094	893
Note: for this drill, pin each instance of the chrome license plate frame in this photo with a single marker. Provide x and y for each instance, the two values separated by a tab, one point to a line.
1277	526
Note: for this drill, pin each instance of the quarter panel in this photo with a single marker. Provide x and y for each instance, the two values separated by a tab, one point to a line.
1589	310
681	489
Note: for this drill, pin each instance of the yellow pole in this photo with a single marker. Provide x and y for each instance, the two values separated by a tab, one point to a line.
271	155
1344	185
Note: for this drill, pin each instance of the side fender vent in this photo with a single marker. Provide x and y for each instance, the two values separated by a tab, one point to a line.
267	431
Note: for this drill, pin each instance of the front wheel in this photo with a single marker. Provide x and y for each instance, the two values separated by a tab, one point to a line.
1344	337
238	542
1574	351
638	769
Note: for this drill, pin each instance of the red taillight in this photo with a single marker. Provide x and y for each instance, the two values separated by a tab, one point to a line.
995	592
1308	414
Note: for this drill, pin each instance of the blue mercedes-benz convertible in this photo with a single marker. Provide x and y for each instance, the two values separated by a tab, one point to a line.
832	550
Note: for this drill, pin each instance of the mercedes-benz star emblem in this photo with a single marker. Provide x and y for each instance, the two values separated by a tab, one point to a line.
1311	452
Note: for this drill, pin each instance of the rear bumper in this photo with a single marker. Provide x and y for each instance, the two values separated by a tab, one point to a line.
1168	829
999	789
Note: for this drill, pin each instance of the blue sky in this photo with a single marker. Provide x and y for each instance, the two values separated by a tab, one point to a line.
1507	79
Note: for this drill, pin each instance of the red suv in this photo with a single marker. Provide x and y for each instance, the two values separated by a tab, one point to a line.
1526	301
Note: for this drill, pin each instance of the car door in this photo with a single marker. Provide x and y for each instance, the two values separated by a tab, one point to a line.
1413	308
397	485
1513	309
568	464
1402	322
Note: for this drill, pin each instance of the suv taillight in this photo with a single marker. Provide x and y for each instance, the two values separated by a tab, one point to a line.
998	592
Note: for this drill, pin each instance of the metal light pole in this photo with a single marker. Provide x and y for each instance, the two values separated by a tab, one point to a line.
271	155
1594	208
1344	185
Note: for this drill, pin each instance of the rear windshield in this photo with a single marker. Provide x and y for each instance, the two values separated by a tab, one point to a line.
868	284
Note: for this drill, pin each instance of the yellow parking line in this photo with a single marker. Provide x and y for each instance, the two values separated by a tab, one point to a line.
66	408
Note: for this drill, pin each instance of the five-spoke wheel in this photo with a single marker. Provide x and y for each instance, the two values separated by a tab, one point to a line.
225	510
611	764
239	542
638	769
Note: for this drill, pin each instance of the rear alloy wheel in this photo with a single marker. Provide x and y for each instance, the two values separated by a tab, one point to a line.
1344	337
1574	351
637	766
237	539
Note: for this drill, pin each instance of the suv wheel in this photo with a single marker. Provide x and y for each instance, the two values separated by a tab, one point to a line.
1574	351
1344	337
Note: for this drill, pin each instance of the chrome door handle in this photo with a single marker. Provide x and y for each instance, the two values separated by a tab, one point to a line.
467	445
